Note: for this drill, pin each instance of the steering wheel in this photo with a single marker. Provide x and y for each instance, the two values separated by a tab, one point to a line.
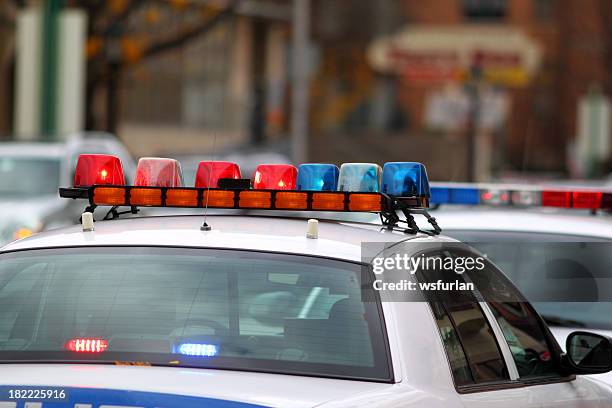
532	361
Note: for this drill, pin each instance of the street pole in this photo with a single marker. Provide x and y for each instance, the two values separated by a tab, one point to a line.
299	105
475	106
51	10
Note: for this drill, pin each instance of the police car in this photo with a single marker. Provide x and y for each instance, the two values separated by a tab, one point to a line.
530	232
244	311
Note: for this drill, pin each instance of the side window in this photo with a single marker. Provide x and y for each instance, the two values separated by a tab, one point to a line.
527	341
452	344
469	340
470	344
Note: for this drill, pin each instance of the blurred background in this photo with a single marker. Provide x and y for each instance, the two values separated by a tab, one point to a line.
478	90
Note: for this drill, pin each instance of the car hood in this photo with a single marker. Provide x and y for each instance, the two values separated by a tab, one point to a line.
172	387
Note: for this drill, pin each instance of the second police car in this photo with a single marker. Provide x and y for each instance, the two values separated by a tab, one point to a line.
244	311
553	241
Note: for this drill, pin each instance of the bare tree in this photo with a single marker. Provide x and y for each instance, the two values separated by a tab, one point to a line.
112	47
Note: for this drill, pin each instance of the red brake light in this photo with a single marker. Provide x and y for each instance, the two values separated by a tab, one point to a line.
209	173
275	177
158	172
87	345
557	199
98	169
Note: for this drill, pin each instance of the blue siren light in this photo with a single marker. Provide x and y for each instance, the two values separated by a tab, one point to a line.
405	179
317	177
360	177
198	349
455	195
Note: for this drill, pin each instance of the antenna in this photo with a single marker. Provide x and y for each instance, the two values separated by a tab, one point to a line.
205	226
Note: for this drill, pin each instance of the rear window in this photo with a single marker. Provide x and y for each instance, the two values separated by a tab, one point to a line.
190	307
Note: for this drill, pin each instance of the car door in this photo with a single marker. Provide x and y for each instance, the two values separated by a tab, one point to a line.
483	376
533	351
530	350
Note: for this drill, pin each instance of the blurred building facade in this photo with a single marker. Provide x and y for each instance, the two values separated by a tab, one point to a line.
389	79
229	85
532	120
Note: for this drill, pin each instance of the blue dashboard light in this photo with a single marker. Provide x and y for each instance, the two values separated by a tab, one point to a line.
361	177
405	179
197	349
317	177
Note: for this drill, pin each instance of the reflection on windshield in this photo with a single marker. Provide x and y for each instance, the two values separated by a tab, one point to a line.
567	279
589	315
28	176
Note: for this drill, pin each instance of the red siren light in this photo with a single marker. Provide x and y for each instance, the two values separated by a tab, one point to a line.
209	173
158	172
98	169
275	177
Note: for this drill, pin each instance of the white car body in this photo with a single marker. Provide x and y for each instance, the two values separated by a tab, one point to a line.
542	221
420	366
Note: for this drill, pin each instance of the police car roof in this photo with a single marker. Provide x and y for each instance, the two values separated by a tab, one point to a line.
337	239
553	221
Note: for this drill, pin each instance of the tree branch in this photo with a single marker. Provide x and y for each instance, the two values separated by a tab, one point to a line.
193	32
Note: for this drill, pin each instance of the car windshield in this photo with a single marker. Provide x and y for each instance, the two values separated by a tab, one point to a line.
553	267
190	307
28	176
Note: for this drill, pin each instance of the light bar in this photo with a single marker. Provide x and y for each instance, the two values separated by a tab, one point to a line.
455	195
98	169
235	199
492	196
158	172
210	172
275	177
87	345
517	195
317	177
573	199
526	198
363	177
557	199
355	187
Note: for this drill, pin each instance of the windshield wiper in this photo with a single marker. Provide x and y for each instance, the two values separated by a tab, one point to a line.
552	320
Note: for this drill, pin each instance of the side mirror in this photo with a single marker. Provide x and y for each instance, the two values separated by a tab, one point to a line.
588	353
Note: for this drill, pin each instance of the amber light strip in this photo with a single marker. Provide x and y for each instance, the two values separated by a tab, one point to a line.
149	197
181	198
109	196
284	200
255	199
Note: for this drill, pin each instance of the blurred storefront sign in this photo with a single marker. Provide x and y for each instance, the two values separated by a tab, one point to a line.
447	109
425	55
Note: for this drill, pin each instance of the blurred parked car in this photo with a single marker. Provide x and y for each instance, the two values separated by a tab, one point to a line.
32	172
